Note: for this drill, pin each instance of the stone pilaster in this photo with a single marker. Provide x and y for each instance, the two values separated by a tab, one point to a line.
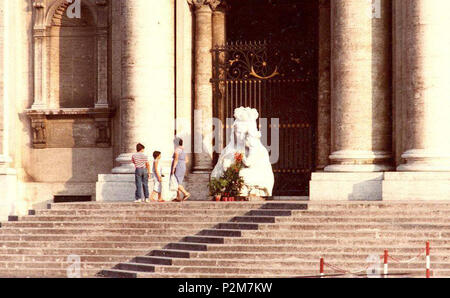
361	74
147	103
203	91
427	120
102	54
40	56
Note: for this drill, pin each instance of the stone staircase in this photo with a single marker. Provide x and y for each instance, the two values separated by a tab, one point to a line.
220	239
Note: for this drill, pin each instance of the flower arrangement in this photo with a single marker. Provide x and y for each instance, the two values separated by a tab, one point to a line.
230	182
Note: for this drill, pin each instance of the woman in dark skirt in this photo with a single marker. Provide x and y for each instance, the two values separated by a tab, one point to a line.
179	170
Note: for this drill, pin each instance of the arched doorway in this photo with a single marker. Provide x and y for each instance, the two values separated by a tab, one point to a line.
270	63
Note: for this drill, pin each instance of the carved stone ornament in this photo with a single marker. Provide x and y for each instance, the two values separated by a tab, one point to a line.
200	3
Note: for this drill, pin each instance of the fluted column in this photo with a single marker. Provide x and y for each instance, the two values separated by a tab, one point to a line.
427	86
147	103
360	98
203	91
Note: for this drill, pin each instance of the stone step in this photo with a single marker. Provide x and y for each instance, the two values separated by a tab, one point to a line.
298	263
168	205
214	272
43	273
354	226
74	251
245	225
204	239
136	219
323	241
170	253
130	274
135	267
254	219
221	232
237	226
272	212
371	213
138	212
305	218
138	216
314	255
240	211
100	230
119	225
55	265
361	219
187	246
91	238
155	260
23	258
313	248
374	233
84	244
339	205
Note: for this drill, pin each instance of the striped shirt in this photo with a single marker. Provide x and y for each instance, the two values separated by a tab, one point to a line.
139	159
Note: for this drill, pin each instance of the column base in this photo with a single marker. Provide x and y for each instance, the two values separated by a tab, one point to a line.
419	160
115	188
39	107
126	166
197	185
410	186
359	161
346	186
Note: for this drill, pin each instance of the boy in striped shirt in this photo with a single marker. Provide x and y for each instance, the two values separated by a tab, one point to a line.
140	161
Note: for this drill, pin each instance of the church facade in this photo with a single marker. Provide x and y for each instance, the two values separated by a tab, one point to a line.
355	93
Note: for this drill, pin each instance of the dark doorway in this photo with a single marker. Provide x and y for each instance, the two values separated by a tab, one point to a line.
270	63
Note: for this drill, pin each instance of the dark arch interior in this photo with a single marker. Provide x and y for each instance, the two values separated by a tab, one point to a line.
272	20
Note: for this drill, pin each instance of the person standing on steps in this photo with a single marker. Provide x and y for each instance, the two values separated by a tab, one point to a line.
140	161
157	177
179	170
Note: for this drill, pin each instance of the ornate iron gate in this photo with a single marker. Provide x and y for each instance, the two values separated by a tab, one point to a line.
280	80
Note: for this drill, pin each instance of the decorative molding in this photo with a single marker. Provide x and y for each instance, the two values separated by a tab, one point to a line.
41	120
39	8
213	4
103	132
39	126
219	5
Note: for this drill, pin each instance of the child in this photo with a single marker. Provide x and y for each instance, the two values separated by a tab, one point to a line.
140	161
156	174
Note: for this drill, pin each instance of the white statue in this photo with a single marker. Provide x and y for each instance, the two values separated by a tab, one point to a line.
246	139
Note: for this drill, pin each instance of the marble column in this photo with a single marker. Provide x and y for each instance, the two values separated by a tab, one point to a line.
361	88
203	92
219	38
8	175
147	107
427	121
323	105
